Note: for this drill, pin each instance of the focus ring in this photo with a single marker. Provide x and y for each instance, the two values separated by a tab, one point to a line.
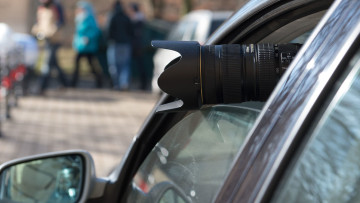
231	67
265	71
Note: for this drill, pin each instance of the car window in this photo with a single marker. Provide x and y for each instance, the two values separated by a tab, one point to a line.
302	38
294	33
178	32
328	167
191	31
185	30
215	24
194	156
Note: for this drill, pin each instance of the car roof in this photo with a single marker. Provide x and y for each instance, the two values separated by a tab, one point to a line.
219	15
201	15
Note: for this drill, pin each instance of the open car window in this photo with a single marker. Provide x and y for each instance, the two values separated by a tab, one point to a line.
297	31
195	155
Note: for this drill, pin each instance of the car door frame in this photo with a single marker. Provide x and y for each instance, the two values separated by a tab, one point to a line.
294	104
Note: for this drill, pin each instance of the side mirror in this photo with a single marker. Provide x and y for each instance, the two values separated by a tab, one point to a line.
54	177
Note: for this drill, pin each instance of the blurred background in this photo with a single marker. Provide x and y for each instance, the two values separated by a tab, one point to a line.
161	17
21	15
102	119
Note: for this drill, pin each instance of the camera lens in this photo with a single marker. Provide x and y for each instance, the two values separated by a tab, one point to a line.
237	73
216	74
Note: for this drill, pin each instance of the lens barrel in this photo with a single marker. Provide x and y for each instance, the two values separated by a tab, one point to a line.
237	73
216	74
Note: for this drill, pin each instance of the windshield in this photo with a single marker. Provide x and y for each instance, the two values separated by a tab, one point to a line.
196	154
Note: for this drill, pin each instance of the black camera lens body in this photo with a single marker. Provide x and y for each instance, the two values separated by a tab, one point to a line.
214	74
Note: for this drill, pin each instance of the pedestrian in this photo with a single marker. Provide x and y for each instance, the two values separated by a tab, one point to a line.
138	46
119	37
102	51
50	20
86	40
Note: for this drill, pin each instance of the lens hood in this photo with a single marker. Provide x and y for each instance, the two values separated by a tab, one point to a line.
181	77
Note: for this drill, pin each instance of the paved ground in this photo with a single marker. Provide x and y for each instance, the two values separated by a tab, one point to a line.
100	121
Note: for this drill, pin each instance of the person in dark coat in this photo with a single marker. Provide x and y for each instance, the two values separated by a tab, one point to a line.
102	51
138	45
119	37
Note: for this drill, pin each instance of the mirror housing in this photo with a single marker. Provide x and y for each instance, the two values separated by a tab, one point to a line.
67	176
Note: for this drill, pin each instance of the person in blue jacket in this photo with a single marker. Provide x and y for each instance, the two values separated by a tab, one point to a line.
86	40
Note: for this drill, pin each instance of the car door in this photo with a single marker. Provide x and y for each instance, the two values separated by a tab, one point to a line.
319	86
158	124
325	166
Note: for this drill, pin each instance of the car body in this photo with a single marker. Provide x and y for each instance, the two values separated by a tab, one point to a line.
301	145
195	26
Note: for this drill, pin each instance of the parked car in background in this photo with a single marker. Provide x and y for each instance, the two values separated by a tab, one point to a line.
298	144
194	26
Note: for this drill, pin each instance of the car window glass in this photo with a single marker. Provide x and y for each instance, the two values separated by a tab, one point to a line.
178	32
185	30
191	31
215	24
302	38
328	166
196	154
